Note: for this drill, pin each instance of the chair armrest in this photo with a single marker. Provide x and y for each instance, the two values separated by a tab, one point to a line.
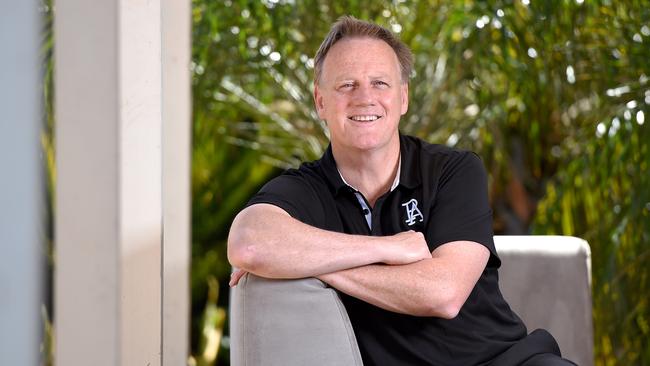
289	322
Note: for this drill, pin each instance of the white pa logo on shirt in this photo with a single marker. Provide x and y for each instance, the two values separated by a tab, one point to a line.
413	213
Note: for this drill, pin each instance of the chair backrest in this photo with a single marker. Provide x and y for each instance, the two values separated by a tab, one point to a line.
547	282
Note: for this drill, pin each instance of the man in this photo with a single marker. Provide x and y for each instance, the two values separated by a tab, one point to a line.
400	227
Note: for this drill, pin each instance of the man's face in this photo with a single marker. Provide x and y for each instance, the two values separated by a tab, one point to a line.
360	94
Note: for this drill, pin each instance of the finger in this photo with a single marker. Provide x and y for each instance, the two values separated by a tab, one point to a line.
235	277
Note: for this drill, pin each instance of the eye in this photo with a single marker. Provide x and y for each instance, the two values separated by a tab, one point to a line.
346	86
380	83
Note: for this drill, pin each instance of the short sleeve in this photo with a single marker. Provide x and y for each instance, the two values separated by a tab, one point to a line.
293	194
460	210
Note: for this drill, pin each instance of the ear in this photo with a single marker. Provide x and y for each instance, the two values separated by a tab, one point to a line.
318	101
405	98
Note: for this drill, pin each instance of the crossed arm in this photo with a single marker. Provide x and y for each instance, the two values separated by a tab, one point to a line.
397	272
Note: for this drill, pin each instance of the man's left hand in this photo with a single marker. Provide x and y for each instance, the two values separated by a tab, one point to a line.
235	277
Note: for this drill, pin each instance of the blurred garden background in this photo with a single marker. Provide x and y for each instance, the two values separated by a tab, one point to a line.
553	95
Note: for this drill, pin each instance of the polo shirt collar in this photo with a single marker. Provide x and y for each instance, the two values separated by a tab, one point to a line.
331	173
409	167
392	187
411	174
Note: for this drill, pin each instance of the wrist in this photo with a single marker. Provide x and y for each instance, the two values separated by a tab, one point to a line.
326	277
385	249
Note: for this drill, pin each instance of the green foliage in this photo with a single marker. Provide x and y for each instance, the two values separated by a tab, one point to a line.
212	322
553	95
47	346
224	174
49	169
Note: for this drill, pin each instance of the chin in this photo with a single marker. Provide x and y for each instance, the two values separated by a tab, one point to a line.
367	143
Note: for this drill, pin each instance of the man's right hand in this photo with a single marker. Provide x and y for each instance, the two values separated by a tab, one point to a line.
405	247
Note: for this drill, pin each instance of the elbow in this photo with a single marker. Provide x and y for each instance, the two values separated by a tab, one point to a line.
242	252
446	306
452	304
449	310
242	257
443	311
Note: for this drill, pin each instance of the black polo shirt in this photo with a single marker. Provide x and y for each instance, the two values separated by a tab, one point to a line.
442	192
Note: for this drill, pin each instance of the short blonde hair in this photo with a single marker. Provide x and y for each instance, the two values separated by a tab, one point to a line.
348	27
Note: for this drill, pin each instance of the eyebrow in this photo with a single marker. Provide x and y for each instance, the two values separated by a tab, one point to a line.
350	78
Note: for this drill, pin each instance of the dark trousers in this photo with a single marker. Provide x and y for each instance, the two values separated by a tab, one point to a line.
547	359
539	348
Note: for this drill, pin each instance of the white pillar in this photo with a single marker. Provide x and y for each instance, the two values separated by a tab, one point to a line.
122	155
140	181
176	49
21	227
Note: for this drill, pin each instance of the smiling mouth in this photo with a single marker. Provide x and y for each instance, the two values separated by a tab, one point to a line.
364	118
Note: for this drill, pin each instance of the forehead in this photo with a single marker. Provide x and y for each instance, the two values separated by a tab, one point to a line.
359	57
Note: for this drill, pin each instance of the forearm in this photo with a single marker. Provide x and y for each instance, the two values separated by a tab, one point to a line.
436	287
266	241
406	289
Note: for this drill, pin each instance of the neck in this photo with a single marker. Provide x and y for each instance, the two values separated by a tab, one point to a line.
372	172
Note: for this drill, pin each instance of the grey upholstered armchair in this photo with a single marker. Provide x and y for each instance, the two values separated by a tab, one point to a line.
546	280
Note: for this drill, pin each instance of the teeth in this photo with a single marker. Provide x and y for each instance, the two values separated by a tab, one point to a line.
364	118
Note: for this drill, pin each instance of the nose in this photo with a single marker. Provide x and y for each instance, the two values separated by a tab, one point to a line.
363	95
